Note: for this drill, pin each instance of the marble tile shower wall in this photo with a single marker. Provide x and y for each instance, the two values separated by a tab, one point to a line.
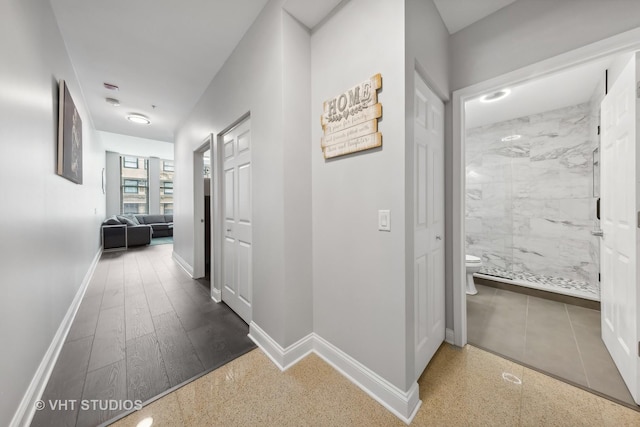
528	201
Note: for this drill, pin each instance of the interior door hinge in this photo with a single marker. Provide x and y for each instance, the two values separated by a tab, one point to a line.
598	129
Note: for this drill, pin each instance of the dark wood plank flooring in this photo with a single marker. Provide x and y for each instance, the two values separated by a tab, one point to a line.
143	327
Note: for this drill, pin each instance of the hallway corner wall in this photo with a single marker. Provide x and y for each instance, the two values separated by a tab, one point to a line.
254	80
359	272
51	226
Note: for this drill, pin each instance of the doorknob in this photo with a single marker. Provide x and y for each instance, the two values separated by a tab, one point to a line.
438	237
228	230
599	233
201	220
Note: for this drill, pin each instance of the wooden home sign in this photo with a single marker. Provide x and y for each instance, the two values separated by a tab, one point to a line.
350	120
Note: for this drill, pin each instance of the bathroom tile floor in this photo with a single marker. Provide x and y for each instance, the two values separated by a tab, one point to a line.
560	339
460	387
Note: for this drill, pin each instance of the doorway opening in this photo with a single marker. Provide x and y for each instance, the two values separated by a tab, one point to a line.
202	185
530	234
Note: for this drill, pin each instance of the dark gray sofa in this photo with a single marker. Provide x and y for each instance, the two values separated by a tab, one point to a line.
121	232
162	225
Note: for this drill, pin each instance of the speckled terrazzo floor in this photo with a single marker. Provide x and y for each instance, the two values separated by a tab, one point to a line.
459	387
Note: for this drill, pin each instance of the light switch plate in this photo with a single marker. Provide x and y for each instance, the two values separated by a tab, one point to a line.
384	220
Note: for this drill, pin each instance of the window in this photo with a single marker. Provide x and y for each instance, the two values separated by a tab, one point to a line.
166	208
130	186
130	162
167	166
134	181
167	187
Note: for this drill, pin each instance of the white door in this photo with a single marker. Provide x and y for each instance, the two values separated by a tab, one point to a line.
619	179
237	276
428	223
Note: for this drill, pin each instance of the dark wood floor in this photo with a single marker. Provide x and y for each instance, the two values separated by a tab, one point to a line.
144	326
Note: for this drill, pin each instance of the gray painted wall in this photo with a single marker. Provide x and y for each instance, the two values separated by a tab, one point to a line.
262	77
113	183
359	272
50	231
529	31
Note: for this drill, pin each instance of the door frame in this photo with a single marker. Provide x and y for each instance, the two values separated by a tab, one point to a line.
217	215
198	208
625	42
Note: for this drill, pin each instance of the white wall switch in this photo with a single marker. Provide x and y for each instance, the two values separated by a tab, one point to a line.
384	220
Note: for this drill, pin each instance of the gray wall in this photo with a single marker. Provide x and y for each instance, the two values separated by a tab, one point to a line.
50	231
529	31
263	77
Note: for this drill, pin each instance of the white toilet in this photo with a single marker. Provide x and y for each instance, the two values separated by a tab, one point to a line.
473	264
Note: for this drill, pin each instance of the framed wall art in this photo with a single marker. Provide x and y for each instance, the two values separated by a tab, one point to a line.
69	163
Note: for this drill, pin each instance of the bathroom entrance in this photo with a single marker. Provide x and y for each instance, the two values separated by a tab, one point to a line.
532	179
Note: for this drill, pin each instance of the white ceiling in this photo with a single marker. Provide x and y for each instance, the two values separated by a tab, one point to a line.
458	14
562	89
159	52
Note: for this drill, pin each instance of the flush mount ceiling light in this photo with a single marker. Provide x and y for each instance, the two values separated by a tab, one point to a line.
496	96
511	138
110	86
113	101
138	118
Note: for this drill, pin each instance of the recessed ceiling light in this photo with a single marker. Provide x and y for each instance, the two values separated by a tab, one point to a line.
110	86
113	101
138	118
496	96
511	138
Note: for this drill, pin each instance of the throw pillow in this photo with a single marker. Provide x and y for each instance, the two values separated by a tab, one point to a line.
125	220
112	220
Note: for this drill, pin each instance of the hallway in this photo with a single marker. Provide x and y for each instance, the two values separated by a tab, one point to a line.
144	326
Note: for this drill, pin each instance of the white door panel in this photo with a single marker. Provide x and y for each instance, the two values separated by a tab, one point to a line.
619	244
428	224
237	290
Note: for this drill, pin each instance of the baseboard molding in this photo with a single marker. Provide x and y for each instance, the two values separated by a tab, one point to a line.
283	358
182	263
449	336
403	405
25	412
216	295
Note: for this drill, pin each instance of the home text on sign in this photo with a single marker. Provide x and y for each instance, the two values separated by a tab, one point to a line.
350	120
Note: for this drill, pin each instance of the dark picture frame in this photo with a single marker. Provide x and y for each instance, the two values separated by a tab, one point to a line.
69	163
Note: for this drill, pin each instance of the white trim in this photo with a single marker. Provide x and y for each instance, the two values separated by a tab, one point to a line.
26	410
620	43
283	358
403	405
182	263
216	295
449	336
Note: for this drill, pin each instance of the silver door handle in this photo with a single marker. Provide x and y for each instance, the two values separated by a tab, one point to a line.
597	233
438	237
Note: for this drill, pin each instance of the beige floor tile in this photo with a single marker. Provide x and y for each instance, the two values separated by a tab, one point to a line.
615	415
164	412
466	387
549	402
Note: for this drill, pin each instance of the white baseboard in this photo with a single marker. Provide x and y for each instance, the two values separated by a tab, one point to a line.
25	412
402	404
182	263
449	337
283	358
216	295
